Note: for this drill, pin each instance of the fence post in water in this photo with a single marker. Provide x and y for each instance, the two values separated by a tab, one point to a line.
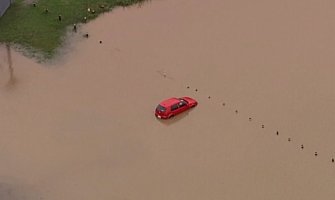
10	63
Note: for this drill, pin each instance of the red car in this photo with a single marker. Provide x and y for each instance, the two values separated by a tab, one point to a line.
173	106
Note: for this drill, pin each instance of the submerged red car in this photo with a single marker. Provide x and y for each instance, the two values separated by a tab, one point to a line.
173	106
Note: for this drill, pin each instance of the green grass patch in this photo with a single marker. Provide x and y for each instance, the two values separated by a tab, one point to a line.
40	31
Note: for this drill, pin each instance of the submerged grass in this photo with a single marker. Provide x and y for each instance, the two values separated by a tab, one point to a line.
40	31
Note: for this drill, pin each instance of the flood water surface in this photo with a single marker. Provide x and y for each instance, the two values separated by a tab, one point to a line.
82	126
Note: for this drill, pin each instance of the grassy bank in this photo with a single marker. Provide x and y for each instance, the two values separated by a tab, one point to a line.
40	30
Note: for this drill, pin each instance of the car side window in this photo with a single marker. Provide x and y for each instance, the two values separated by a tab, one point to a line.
182	103
174	107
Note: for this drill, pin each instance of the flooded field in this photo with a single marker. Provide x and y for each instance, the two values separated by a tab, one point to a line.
82	126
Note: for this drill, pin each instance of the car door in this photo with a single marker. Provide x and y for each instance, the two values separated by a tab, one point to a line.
175	109
179	107
182	106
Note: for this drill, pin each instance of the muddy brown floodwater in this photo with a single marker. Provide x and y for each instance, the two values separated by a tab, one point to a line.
82	127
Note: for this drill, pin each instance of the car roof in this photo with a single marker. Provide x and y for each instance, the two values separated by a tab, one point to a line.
169	102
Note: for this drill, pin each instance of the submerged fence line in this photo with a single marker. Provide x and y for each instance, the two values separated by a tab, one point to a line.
223	103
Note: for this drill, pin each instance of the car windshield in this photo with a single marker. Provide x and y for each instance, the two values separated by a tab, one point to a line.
161	108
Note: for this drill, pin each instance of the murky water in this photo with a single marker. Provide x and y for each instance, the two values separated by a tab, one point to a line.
83	127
